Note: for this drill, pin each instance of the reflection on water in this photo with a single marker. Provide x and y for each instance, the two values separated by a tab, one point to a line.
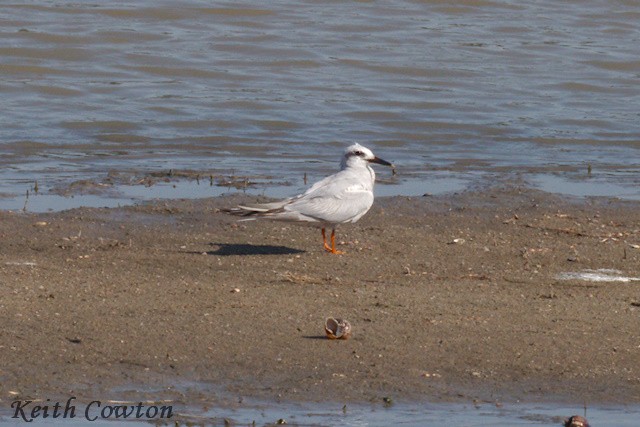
471	86
567	184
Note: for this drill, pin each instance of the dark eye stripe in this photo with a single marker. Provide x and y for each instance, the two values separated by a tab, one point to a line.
356	153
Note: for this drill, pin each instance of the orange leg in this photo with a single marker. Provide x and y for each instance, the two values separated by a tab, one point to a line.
331	248
324	240
333	243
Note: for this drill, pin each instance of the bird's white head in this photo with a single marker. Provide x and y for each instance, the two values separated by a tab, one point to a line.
357	155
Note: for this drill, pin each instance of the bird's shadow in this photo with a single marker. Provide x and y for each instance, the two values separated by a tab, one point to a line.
228	249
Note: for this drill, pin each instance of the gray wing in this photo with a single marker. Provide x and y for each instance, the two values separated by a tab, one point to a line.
336	199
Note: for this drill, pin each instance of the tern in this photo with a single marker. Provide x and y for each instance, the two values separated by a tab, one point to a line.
341	198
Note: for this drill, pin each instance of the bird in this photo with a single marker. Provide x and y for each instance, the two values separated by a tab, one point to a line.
341	198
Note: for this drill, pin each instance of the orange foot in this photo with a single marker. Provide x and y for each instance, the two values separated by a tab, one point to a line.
331	248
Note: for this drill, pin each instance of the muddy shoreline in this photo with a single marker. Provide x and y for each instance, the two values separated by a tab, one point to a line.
452	298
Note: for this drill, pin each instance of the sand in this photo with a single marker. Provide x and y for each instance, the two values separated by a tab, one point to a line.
451	298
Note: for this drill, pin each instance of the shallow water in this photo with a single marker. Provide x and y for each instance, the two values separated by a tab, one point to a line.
542	90
430	415
377	416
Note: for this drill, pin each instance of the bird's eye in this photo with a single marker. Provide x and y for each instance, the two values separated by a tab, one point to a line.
358	153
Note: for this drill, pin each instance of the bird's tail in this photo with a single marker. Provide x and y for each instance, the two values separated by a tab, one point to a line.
250	213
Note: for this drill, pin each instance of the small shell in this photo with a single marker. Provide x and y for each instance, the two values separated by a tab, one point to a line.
576	421
337	328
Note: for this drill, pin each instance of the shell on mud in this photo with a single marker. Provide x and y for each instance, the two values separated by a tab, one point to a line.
576	421
337	328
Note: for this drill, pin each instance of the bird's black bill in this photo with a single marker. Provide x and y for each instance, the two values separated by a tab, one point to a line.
380	161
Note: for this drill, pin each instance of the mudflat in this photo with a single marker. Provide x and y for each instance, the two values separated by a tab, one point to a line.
450	297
